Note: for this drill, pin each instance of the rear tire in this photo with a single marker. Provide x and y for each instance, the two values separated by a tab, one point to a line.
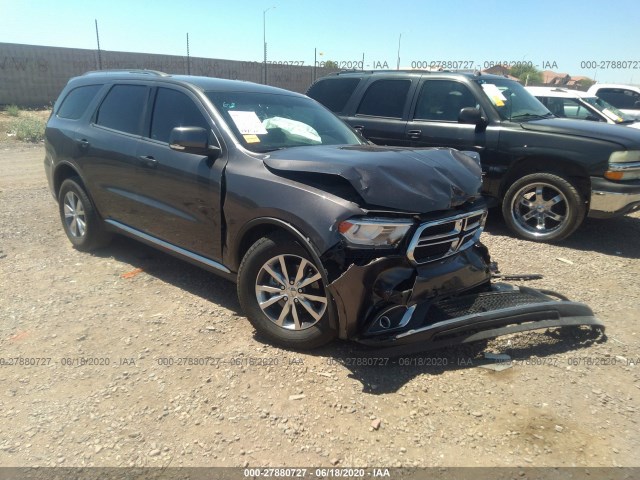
282	292
80	220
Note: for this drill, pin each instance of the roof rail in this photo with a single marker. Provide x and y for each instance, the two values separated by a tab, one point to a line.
140	71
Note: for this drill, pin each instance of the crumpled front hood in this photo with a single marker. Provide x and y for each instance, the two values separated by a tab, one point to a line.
629	138
415	180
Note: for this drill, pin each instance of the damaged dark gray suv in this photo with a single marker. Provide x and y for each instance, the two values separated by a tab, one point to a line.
325	234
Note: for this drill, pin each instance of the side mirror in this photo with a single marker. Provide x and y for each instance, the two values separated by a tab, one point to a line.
192	140
473	116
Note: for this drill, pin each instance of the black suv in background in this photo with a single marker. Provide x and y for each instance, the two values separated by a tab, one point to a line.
324	234
547	173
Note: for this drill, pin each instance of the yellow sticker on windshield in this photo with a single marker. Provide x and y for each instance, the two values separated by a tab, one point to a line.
251	138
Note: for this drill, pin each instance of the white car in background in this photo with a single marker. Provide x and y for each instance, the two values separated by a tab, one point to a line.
625	98
574	104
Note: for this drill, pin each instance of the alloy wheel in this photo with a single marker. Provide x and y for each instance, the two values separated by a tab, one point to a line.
540	209
74	215
290	292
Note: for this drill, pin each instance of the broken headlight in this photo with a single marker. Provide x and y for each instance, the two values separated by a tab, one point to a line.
374	232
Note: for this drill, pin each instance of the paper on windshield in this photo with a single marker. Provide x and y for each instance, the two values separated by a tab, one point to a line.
612	115
494	94
247	122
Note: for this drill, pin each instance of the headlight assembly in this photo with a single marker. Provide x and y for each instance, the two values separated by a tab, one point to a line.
374	232
624	165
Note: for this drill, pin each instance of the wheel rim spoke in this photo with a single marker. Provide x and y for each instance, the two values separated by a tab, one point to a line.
529	215
539	190
73	227
526	203
270	301
283	268
268	289
310	280
300	273
283	314
68	211
294	314
541	223
81	226
555	200
309	308
276	276
314	298
555	216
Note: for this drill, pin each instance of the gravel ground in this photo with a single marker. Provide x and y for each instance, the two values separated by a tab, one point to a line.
120	337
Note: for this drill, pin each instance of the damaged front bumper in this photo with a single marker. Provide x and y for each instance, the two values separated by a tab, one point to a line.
501	310
391	303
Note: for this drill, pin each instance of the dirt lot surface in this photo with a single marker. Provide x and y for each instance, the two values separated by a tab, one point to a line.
119	338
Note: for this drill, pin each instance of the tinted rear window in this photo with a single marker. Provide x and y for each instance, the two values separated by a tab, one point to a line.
333	93
77	100
122	108
619	98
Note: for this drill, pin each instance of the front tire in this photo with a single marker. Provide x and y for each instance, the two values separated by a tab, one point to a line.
80	220
543	207
282	292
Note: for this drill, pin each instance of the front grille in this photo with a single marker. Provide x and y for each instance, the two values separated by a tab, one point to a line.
442	238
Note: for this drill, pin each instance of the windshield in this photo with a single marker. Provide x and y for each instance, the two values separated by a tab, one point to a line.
512	101
607	109
263	122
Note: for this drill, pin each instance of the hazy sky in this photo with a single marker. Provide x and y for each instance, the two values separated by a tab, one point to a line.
596	38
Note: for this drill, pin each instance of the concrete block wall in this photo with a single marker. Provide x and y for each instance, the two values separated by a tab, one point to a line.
33	75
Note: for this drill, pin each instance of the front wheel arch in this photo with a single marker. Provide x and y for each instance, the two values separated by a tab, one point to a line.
559	166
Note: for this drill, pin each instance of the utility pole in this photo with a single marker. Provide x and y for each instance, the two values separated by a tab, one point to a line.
264	39
188	57
398	64
98	40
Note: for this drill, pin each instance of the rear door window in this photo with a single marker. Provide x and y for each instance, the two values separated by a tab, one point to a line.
123	108
385	98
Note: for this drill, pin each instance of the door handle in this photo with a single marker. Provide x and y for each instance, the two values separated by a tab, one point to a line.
82	143
148	161
414	134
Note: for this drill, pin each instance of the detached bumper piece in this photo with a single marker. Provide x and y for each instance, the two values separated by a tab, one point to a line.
503	310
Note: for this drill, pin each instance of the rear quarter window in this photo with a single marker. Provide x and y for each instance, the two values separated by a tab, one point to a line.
76	102
334	93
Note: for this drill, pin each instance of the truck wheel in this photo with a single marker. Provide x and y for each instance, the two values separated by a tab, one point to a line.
543	207
282	293
79	217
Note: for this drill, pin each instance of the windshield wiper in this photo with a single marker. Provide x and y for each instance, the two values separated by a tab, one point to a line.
532	116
